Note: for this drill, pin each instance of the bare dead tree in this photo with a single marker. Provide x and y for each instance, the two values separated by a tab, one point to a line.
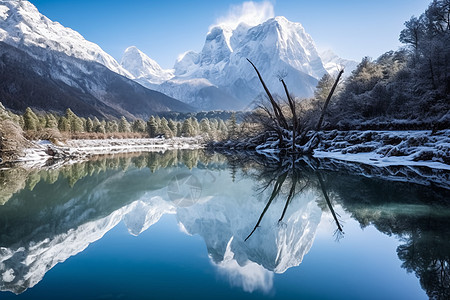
276	108
291	132
327	101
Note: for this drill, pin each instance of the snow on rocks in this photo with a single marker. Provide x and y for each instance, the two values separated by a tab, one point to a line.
387	148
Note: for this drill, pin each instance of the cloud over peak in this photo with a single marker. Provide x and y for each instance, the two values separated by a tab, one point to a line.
251	13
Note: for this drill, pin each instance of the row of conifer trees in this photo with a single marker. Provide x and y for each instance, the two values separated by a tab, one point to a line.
155	126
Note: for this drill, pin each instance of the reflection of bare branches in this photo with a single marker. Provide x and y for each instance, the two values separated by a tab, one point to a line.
296	169
324	191
275	192
290	196
338	235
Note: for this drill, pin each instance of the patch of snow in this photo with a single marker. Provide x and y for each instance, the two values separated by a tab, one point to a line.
3	12
388	148
372	158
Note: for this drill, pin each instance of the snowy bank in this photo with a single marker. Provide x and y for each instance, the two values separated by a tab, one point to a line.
387	148
44	150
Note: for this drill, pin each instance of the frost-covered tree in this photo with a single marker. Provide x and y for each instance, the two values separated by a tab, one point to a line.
173	126
232	127
98	126
112	126
187	129
205	126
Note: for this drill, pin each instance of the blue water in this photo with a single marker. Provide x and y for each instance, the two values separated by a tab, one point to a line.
85	236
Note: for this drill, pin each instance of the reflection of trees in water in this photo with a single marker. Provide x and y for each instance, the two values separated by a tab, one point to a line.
285	178
15	179
418	215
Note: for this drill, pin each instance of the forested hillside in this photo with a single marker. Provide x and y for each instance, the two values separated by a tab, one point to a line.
405	89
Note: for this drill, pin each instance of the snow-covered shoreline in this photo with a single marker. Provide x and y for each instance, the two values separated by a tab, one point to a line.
388	148
76	150
374	148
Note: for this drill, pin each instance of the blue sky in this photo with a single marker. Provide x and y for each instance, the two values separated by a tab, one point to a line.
165	29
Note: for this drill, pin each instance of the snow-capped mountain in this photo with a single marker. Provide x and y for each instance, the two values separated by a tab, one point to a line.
278	47
333	63
143	67
65	71
24	27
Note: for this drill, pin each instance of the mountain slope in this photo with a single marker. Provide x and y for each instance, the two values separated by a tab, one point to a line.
23	26
63	70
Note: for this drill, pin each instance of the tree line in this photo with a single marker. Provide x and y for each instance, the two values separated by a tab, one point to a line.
69	123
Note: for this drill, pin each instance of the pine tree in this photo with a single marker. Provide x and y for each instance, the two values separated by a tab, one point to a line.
112	126
98	126
50	121
164	129
179	129
138	126
124	126
205	127
63	124
89	125
232	127
186	129
152	127
195	125
172	125
30	119
75	123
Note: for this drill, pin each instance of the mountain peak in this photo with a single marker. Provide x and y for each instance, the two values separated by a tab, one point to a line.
333	63
142	66
24	27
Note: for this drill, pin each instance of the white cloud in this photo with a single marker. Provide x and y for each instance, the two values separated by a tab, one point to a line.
251	13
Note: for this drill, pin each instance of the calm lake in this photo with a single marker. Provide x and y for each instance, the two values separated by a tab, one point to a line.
191	225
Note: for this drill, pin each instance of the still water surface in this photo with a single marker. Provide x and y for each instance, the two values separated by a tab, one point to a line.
190	225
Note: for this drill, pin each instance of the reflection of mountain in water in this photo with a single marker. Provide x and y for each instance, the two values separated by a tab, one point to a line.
60	212
39	233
